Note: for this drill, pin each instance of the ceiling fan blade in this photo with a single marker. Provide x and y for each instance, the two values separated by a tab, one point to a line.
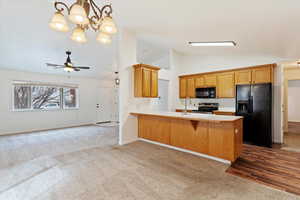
76	70
54	65
79	67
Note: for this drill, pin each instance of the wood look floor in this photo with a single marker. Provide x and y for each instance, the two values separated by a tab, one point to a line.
294	127
86	163
276	168
291	139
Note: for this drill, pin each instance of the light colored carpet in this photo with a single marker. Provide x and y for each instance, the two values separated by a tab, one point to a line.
86	164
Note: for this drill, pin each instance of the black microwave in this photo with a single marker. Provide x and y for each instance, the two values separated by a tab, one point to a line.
206	93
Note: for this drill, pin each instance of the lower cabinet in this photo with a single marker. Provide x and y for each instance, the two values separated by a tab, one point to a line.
219	139
154	128
191	135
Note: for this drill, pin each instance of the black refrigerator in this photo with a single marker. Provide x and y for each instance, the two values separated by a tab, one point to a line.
254	103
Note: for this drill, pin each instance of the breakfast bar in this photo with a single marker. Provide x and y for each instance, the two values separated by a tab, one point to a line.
216	136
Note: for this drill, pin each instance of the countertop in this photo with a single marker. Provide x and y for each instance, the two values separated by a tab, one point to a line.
189	116
221	109
226	109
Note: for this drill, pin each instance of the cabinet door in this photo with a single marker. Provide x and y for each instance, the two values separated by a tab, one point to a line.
147	82
182	87
226	87
154	83
262	75
199	82
243	77
154	128
210	80
191	88
138	82
191	135
221	140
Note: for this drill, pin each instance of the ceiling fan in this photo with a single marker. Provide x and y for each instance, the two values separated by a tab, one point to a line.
68	65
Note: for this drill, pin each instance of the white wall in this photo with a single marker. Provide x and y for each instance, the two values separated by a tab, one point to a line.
127	102
293	101
14	122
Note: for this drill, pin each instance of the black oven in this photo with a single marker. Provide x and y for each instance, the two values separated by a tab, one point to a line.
206	92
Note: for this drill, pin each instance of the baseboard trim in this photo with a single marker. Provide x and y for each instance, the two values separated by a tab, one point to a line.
41	130
104	122
296	121
187	151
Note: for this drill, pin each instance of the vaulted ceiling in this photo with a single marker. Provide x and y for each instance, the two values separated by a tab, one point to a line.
259	27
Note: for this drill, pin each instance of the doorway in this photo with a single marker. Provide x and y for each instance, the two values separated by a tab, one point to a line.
292	131
107	105
163	93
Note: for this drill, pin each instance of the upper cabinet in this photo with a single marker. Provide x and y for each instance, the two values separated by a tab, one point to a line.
256	75
191	88
187	87
225	81
182	87
243	77
199	82
210	80
145	81
226	86
262	74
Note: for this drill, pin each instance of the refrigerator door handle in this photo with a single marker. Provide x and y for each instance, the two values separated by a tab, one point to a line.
250	110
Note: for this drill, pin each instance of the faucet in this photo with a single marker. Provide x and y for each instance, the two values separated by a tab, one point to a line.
185	105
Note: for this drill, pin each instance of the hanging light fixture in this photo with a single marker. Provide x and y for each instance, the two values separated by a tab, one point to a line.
59	22
85	14
117	79
78	35
104	38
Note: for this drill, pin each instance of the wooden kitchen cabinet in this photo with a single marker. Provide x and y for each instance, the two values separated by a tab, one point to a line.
187	87
146	92
210	80
190	135
191	88
154	83
226	86
145	81
154	128
199	82
182	87
243	77
262	75
225	81
221	137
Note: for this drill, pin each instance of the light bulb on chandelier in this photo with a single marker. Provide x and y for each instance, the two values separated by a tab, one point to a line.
99	19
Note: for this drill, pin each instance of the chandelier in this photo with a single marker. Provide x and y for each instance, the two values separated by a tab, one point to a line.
85	14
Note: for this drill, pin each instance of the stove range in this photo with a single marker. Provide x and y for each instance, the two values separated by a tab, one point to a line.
206	108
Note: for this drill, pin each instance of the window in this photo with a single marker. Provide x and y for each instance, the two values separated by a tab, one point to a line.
22	97
44	97
70	97
41	97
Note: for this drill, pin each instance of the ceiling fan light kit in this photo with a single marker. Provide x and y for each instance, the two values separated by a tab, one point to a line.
85	14
68	65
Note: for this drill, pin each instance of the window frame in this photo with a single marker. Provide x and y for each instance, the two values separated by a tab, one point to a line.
32	84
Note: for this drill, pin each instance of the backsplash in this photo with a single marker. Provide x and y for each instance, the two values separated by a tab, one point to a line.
228	103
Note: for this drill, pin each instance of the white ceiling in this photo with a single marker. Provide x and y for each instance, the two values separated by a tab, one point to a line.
260	27
27	42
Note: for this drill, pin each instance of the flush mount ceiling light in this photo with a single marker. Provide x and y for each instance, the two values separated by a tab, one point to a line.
85	14
213	44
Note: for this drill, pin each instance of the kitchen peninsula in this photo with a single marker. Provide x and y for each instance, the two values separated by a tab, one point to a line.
214	136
